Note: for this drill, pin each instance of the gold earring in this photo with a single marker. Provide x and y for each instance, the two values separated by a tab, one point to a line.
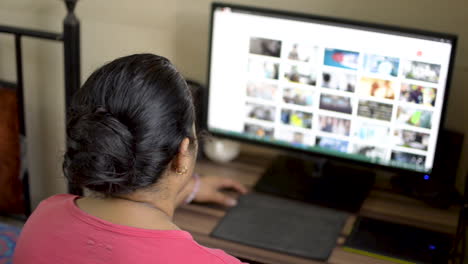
182	171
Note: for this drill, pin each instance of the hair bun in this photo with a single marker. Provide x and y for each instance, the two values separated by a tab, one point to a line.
126	125
100	153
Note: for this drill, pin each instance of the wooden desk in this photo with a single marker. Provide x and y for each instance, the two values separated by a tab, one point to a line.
200	220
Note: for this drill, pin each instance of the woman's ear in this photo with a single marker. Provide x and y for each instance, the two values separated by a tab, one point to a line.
182	160
184	147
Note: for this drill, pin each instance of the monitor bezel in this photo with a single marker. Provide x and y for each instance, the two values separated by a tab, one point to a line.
328	20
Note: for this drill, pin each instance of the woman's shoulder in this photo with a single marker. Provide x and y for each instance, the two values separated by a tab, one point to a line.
54	204
57	199
60	197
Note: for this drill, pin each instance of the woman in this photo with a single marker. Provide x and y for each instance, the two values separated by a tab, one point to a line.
131	140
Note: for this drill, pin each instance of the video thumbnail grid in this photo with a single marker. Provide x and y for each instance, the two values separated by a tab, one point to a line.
340	100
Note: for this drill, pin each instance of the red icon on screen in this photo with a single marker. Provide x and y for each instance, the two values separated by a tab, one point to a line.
419	53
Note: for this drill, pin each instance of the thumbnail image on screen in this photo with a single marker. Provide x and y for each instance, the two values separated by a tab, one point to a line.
265	47
262	90
370	132
407	158
370	151
304	52
301	73
335	125
296	118
375	110
413	93
258	131
259	68
339	80
414	117
294	137
332	144
412	139
384	65
421	71
336	103
341	58
260	112
298	96
378	88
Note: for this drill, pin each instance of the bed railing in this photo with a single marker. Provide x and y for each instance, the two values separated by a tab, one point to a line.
70	37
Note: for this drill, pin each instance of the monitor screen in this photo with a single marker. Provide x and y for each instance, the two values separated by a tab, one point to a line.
347	90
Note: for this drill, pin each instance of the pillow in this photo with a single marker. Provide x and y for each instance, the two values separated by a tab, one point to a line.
11	197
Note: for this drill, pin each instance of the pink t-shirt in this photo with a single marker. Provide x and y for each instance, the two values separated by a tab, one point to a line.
59	232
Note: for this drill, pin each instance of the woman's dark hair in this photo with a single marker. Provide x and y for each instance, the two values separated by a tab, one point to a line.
126	124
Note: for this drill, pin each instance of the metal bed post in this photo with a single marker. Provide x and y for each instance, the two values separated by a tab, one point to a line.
22	121
71	41
70	37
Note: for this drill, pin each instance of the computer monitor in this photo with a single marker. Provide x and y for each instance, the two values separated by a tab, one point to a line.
342	89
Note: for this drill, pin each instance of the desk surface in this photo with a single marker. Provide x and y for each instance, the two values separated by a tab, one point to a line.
200	220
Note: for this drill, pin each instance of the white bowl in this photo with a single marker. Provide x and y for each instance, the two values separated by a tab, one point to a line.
221	150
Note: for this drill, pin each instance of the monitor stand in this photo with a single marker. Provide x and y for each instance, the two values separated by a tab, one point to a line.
317	181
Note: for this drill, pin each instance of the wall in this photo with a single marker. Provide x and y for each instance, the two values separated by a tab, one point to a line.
177	29
109	29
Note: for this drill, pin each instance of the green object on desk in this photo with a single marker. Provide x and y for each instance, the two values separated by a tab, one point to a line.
398	243
378	256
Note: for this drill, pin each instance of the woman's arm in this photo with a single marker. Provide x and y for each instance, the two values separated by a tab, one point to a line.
209	190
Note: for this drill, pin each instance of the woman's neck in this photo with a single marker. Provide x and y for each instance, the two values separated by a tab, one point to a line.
159	203
131	211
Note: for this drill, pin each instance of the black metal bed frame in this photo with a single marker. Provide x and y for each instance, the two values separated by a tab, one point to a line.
71	47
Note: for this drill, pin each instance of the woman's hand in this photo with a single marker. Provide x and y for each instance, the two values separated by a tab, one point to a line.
210	190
